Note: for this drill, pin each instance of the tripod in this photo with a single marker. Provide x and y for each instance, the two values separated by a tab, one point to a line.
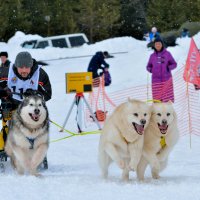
76	101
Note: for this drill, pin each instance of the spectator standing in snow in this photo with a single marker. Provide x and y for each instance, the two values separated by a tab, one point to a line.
4	59
160	65
97	62
153	34
185	33
146	37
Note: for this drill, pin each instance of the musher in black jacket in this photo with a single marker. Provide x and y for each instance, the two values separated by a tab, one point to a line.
23	69
25	76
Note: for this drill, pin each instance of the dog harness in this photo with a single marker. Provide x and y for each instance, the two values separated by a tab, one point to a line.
162	142
31	141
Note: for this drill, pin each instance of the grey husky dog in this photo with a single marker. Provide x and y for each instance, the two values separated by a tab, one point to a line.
28	137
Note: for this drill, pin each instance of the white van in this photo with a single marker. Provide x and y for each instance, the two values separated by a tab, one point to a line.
62	41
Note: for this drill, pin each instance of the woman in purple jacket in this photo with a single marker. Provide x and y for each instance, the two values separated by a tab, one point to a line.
160	65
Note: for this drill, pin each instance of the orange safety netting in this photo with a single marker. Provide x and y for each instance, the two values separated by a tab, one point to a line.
186	101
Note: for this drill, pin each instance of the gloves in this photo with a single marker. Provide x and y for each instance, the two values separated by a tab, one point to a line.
30	92
101	73
5	93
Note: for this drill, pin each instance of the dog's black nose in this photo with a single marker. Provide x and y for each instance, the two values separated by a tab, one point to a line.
143	121
37	111
164	121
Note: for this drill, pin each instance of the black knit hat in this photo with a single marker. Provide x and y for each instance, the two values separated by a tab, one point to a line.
158	39
4	53
23	59
106	54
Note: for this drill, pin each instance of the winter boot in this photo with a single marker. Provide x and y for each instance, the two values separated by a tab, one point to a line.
45	163
3	159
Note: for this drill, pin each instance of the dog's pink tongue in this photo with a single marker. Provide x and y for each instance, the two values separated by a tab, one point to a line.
140	128
35	116
162	126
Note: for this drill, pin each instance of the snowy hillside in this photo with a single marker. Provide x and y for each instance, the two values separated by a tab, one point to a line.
73	171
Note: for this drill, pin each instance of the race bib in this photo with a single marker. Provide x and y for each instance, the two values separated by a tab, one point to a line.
19	86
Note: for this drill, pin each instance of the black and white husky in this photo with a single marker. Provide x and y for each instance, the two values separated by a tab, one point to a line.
28	138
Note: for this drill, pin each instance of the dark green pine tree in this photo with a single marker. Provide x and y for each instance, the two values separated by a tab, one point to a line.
13	18
97	18
63	17
86	17
168	15
37	11
51	17
191	10
133	18
39	16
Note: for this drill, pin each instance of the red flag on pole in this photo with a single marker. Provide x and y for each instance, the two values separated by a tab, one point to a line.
192	67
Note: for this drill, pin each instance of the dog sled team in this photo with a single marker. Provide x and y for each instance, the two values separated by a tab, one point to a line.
134	136
24	89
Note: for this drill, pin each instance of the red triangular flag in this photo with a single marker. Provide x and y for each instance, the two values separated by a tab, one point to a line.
192	68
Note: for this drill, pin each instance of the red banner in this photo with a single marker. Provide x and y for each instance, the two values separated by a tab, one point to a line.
192	67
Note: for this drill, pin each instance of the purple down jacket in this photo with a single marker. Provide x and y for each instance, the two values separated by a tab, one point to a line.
160	65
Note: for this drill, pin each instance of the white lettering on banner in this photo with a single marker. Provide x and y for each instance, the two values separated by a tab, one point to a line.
193	60
193	56
20	86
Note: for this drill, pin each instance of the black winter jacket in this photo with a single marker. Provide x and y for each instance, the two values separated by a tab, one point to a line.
6	64
96	63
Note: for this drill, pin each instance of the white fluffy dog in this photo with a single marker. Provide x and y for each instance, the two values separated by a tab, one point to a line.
160	137
122	137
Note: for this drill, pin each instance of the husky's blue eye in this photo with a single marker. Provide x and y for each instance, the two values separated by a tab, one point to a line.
158	114
168	114
135	114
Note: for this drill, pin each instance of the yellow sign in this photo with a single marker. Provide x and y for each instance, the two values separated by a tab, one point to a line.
78	82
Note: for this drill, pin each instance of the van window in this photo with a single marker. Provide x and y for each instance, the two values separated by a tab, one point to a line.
42	44
59	43
29	44
76	41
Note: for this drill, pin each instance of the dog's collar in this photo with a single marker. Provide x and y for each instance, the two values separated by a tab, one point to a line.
31	141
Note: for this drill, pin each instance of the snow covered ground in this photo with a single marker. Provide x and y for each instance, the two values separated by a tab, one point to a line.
73	168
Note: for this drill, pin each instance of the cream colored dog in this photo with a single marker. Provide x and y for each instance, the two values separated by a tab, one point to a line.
122	137
160	137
